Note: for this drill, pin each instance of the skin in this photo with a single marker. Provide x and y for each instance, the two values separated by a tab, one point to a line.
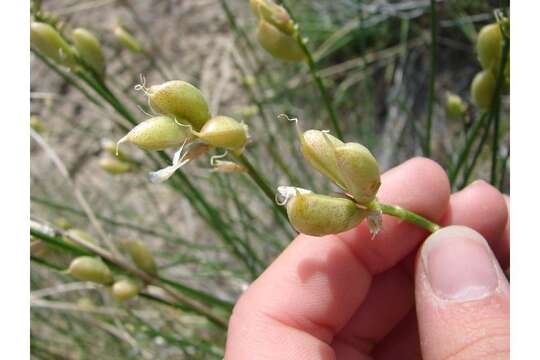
349	296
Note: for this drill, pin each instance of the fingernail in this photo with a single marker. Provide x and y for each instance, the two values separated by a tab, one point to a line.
459	264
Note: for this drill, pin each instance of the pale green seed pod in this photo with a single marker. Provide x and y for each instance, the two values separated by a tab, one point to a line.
85	304
114	166
89	49
62	223
86	268
279	44
273	14
36	124
359	170
318	215
157	133
488	46
109	147
180	100
124	289
127	40
318	148
141	256
80	234
225	132
455	106
50	43
483	88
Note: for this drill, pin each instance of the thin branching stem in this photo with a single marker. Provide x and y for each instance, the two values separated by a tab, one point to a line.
407	215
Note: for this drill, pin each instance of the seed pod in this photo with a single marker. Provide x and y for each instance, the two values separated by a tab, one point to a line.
180	100
141	256
85	304
89	49
318	148
488	46
225	132
359	170
483	88
50	43
124	289
79	234
127	40
62	223
319	215
114	166
274	14
109	147
36	124
157	133
86	268
279	44
455	106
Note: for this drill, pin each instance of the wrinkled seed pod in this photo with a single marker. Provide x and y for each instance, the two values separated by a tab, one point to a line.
319	215
89	49
278	44
124	289
50	43
488	46
319	150
157	133
225	132
86	268
359	170
114	166
455	107
180	100
483	88
127	40
141	256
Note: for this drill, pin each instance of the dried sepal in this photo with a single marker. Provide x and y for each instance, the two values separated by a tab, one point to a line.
87	268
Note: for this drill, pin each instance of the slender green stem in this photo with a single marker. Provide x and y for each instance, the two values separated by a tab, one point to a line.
463	154
314	73
407	215
431	96
476	156
504	163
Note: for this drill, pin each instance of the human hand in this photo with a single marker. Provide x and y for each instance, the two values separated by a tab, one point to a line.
396	296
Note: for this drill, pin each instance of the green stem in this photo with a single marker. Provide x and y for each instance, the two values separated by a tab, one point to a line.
431	98
318	80
476	156
404	214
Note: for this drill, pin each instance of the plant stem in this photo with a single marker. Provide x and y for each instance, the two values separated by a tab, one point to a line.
318	80
404	214
431	98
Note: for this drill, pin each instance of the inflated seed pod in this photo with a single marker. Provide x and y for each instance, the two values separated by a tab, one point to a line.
36	124
483	88
318	148
141	256
359	170
157	133
127	40
319	215
455	106
180	100
124	289
109	147
114	166
50	43
225	132
87	268
89	49
79	234
488	46
279	44
273	14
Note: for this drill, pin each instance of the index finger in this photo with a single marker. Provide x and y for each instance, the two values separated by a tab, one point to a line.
293	310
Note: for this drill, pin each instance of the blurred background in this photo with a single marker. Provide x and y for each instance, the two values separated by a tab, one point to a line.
211	233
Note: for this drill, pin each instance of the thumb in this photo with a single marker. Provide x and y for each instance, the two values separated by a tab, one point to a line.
462	298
